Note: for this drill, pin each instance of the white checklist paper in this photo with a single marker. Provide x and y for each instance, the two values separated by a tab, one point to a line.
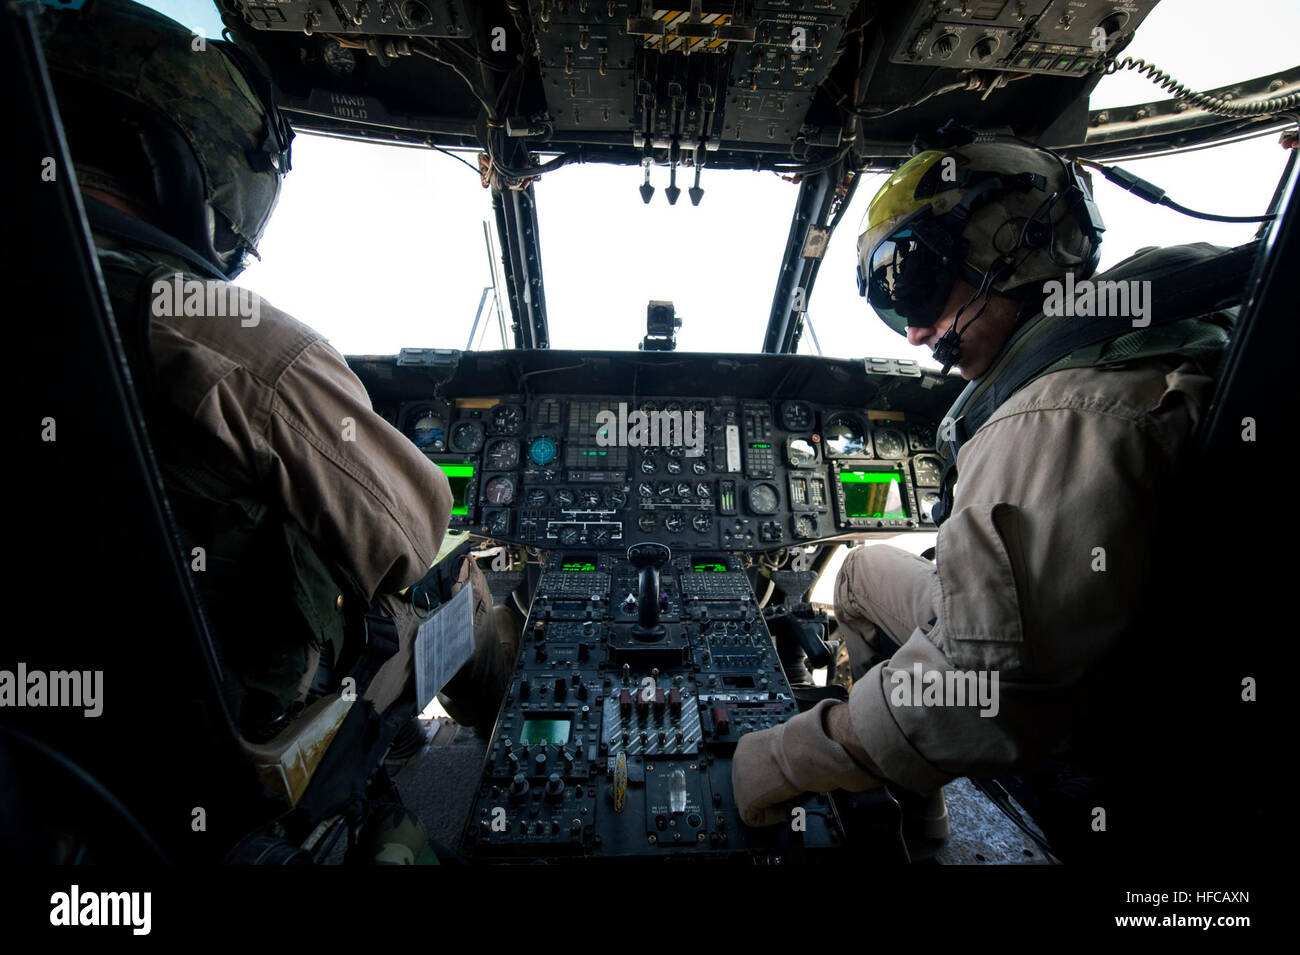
442	645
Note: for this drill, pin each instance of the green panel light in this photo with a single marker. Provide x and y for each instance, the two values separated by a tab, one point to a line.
459	477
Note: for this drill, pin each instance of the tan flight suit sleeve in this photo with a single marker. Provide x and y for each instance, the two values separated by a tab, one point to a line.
352	480
298	424
1066	474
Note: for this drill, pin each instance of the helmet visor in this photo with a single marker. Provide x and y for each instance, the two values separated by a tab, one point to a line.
906	283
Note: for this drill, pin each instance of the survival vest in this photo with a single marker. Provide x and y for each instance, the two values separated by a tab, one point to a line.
1190	308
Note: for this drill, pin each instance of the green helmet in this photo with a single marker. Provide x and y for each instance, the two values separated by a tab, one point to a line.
154	112
1002	214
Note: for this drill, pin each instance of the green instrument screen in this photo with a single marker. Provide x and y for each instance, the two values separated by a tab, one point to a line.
873	494
545	731
459	476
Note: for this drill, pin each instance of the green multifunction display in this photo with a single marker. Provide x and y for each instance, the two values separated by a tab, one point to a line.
461	479
554	731
872	497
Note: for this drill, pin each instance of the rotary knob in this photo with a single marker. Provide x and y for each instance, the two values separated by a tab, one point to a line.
554	787
518	788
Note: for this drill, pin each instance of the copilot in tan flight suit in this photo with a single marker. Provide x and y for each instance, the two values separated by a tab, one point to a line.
1039	569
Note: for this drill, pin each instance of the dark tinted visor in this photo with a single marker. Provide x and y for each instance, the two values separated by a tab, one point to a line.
906	283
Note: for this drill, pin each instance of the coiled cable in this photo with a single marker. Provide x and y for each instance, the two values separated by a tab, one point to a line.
1211	104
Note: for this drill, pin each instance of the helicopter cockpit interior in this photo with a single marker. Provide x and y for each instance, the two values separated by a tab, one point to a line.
655	519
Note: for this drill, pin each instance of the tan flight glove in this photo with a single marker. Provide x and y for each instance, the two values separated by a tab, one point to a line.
777	764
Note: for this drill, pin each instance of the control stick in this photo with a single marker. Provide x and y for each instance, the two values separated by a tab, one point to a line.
648	558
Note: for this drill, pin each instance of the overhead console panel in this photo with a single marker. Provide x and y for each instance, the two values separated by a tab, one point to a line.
723	84
724	71
1055	37
426	18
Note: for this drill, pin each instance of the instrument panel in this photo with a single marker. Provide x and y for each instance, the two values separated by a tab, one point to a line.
698	473
616	740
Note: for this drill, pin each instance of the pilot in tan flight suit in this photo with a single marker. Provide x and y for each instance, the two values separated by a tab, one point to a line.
957	252
306	503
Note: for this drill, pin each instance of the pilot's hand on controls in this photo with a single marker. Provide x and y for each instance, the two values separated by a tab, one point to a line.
777	764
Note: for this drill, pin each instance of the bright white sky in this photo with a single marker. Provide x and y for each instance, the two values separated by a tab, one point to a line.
382	247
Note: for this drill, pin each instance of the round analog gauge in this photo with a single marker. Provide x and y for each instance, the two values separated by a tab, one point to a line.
800	452
928	500
699	467
569	535
538	497
927	469
805	526
589	499
466	437
796	416
683	489
617	498
664	489
648	466
428	430
339	58
647	406
698	407
499	490
922	436
674	522
889	443
674	466
599	536
564	497
650	451
503	455
702	490
762	499
844	436
675	451
542	451
646	522
505	419
671	406
498	523
645	489
701	522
